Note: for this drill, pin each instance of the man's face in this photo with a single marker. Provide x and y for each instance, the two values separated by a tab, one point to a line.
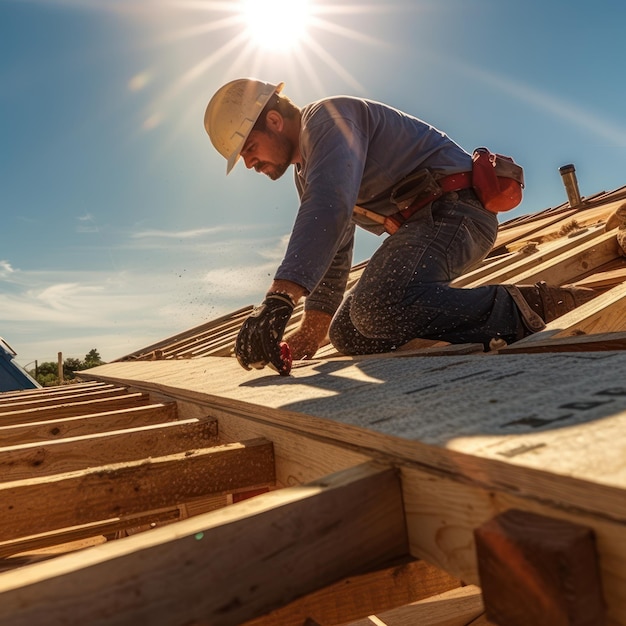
268	152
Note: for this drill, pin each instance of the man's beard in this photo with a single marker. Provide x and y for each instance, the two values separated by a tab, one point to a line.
284	152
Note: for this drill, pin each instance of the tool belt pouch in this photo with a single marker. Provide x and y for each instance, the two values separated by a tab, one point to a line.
414	188
497	180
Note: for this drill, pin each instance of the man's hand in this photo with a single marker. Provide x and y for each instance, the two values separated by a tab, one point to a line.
258	341
307	338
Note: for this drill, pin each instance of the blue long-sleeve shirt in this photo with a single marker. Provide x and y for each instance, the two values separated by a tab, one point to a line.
354	152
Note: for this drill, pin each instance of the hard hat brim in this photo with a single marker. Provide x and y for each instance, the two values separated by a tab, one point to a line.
234	157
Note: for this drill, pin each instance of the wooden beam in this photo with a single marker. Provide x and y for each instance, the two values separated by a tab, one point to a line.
457	607
525	261
567	219
17	404
442	515
298	460
507	236
465	421
597	342
76	388
539	571
129	488
566	267
88	424
71	409
603	280
359	595
224	567
606	313
28	460
84	531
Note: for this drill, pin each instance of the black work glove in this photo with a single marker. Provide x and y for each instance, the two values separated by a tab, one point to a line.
258	340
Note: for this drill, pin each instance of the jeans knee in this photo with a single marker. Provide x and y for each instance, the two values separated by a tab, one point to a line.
371	317
338	337
345	335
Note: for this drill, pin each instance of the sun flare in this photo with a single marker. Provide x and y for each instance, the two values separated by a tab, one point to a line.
276	24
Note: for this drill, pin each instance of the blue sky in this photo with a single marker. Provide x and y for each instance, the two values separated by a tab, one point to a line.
119	226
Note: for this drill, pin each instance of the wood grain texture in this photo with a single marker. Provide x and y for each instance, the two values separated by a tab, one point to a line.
28	460
457	607
539	571
213	569
128	488
466	418
364	594
69	409
84	531
88	424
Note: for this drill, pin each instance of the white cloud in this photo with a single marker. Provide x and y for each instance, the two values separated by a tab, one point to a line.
115	312
5	269
180	234
126	308
87	224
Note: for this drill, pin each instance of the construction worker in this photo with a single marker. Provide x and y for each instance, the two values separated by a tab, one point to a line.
360	162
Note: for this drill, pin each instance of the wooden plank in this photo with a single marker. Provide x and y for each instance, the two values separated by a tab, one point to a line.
539	571
71	409
453	608
566	267
567	222
480	621
133	487
289	542
526	263
526	231
88	424
75	388
84	531
297	460
597	342
429	408
599	280
17	404
364	594
442	514
75	453
606	313
468	417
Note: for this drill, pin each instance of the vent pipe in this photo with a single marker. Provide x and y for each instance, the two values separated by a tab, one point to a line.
568	174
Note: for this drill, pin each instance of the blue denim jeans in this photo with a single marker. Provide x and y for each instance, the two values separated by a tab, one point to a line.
404	292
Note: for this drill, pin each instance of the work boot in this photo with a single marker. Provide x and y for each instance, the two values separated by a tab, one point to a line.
540	303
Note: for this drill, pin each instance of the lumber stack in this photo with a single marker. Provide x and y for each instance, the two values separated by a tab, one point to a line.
91	471
89	460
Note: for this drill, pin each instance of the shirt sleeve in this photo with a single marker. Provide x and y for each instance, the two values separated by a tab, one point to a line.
333	154
328	293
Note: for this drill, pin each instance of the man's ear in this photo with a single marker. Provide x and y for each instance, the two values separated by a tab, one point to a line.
274	120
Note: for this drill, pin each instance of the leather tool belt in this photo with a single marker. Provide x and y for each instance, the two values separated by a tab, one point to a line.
414	193
497	180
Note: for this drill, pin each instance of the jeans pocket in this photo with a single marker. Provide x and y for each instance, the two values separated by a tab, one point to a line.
472	242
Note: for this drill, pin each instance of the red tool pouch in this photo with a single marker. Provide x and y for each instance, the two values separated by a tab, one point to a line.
497	180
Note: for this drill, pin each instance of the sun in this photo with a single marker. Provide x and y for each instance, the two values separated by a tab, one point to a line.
276	24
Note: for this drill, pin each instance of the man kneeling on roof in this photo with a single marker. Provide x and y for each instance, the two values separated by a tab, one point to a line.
359	162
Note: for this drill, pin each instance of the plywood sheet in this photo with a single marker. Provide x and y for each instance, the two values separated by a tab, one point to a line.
534	411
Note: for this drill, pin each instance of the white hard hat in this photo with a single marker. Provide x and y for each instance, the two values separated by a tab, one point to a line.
232	112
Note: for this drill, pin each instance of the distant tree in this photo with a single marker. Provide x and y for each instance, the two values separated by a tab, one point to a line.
47	372
92	359
71	365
